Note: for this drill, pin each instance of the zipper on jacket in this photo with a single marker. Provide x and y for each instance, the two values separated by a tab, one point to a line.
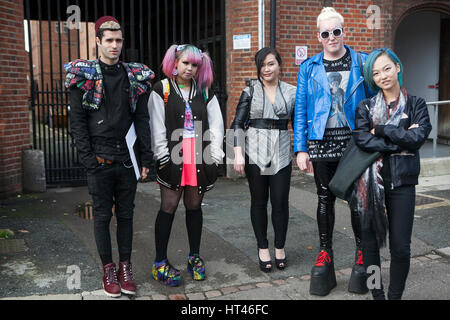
312	120
356	87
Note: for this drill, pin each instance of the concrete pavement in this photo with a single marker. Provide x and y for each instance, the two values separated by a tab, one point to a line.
55	241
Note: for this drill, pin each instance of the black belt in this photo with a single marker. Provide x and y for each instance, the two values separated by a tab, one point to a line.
269	124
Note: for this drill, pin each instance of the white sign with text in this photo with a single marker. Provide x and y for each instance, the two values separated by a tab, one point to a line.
301	54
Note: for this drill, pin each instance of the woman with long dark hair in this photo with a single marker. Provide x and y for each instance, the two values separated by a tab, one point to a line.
262	115
396	124
187	133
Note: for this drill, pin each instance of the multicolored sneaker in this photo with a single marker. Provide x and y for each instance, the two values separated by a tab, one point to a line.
165	273
196	267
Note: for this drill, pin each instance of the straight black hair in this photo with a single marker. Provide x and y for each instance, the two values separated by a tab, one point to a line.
261	56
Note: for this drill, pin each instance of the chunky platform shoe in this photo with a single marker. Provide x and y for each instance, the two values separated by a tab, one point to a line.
358	278
196	267
165	273
323	278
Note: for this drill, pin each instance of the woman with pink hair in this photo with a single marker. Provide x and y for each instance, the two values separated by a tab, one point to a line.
187	135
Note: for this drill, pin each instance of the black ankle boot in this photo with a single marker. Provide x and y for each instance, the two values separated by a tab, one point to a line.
323	277
358	278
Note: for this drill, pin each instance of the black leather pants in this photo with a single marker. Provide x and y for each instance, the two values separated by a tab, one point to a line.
323	173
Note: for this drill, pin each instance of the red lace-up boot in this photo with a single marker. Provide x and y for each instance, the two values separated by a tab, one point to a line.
110	284
126	280
358	278
323	278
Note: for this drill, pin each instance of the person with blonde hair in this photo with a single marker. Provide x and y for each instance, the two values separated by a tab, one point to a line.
330	86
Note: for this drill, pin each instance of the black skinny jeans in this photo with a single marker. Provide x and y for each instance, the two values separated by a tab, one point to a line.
400	204
113	185
261	186
323	173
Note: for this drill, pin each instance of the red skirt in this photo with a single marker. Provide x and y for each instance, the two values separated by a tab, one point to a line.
189	173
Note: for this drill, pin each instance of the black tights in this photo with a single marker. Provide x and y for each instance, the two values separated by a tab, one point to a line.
261	186
194	219
323	173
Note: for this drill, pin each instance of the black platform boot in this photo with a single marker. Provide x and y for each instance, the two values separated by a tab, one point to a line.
323	277
358	278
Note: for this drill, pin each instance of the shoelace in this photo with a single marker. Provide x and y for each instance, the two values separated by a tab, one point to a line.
111	275
322	258
127	272
360	257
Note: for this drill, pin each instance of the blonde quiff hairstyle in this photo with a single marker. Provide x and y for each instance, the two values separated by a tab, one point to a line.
329	13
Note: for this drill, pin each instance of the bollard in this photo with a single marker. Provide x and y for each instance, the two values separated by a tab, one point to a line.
33	171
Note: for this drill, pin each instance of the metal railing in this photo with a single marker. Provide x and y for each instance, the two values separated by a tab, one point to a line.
436	105
150	27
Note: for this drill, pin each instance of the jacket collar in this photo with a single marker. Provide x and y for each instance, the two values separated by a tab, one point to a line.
318	58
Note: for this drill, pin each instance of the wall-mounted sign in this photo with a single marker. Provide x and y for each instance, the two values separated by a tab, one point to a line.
301	54
241	41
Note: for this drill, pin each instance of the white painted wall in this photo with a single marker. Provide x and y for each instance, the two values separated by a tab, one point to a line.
417	44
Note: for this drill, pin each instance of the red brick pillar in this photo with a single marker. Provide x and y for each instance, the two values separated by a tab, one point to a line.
14	113
241	18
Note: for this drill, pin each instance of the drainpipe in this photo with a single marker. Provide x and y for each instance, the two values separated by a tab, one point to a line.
260	24
273	22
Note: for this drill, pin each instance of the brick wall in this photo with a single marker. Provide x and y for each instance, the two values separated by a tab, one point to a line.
295	26
241	18
14	114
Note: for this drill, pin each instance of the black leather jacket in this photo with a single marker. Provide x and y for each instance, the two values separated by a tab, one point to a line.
392	140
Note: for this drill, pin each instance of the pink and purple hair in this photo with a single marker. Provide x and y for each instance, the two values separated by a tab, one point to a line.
204	76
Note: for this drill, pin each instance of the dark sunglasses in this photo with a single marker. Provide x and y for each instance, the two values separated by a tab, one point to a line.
337	33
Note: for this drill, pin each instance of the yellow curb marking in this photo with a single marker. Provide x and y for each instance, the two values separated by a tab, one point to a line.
442	202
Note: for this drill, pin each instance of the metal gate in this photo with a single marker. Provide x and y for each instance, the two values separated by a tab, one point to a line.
58	31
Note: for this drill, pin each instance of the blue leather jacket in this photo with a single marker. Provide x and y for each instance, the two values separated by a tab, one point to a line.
313	99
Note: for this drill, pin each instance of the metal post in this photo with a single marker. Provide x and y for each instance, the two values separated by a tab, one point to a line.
260	24
435	126
273	23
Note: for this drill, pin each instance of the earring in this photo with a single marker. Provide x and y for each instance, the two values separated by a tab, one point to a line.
175	71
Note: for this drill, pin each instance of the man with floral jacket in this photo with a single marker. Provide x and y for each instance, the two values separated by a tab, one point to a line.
106	97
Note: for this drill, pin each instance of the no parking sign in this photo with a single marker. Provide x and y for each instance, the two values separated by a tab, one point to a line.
301	54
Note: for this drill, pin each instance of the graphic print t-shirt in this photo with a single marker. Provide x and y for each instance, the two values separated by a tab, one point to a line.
188	118
338	72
